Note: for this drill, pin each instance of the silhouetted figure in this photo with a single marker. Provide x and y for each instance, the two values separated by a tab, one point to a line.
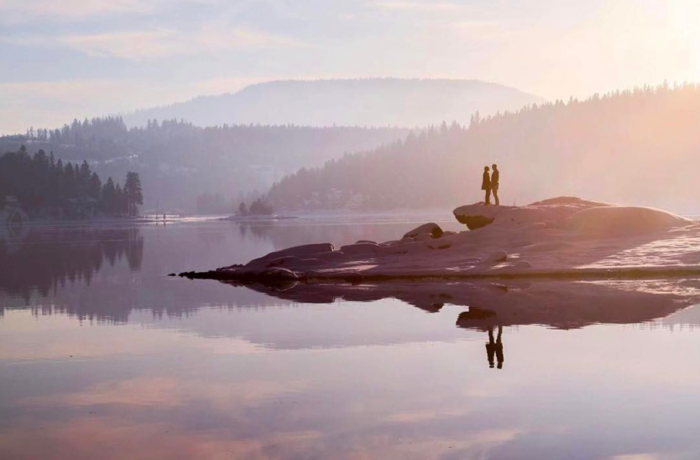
486	185
499	348
495	348
495	176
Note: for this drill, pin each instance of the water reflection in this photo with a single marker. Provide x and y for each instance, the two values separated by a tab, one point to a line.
105	273
495	348
172	368
41	259
558	304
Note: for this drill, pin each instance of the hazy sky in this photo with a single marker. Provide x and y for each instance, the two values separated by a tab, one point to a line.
62	59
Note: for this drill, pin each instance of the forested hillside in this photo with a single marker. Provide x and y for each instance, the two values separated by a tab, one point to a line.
640	146
345	102
178	161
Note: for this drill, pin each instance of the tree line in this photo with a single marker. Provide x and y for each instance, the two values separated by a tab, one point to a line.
177	160
637	146
47	187
208	203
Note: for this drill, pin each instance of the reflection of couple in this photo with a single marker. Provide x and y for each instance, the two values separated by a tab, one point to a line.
490	184
495	348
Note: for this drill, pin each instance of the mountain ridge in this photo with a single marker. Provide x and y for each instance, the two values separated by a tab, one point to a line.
375	102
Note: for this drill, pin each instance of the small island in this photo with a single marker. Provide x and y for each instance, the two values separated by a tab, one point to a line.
563	237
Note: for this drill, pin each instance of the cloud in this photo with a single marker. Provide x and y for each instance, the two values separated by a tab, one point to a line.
165	392
492	31
156	43
25	10
420	7
51	103
134	45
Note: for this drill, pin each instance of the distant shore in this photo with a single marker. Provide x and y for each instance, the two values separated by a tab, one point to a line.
235	218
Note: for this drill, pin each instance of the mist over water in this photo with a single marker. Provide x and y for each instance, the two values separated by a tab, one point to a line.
105	356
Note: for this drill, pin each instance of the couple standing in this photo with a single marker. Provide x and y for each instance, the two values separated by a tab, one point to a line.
490	184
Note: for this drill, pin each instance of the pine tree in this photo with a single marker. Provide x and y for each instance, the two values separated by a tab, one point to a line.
108	194
69	182
95	187
119	200
83	178
133	193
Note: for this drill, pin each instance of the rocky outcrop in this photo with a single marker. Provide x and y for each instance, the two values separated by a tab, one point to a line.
563	237
553	213
622	220
432	229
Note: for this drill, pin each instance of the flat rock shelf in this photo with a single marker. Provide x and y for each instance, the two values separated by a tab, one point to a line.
562	237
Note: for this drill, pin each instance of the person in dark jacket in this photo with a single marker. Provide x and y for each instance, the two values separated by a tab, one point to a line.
495	176
486	185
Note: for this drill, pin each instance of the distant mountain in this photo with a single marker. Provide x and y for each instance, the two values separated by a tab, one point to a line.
363	102
633	147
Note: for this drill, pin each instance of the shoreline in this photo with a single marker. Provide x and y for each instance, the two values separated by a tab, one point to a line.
561	238
624	273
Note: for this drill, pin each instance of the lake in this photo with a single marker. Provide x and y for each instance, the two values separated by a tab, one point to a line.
102	355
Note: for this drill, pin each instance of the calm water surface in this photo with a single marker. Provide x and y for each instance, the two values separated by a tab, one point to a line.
104	356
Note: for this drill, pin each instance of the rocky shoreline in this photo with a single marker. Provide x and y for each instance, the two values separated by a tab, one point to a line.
564	237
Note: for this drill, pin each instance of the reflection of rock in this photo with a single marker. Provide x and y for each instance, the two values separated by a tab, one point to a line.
562	237
475	314
560	304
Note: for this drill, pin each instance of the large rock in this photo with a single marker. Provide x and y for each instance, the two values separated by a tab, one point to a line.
361	249
475	222
551	213
562	237
478	215
302	251
615	220
432	229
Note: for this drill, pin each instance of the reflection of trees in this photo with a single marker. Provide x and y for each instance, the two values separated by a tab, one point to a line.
46	259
